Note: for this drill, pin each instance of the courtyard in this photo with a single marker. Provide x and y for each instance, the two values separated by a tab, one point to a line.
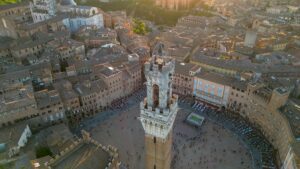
210	146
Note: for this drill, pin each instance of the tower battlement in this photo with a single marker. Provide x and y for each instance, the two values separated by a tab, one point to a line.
158	122
160	64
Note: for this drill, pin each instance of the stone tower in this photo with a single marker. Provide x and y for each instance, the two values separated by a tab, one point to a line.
158	112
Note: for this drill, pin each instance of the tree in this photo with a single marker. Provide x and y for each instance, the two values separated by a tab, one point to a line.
139	27
6	2
42	151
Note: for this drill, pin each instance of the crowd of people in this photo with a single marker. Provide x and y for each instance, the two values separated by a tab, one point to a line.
262	151
207	146
122	104
118	106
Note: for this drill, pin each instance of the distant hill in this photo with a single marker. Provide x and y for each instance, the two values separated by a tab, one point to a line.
6	2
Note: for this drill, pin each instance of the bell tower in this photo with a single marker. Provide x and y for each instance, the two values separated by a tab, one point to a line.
158	112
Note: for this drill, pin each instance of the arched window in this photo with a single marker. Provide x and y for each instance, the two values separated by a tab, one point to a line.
155	95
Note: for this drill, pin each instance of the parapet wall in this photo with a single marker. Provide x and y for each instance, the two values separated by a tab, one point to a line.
112	151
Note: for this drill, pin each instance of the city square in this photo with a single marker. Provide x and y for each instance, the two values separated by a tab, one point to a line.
210	146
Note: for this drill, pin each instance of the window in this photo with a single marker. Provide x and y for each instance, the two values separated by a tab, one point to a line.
220	91
200	83
155	95
206	88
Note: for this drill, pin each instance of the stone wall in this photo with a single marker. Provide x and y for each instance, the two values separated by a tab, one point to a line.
112	151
